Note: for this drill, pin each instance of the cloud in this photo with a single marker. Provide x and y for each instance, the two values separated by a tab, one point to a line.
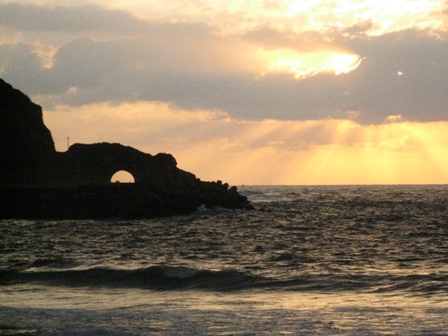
405	73
298	16
271	38
87	70
85	19
193	67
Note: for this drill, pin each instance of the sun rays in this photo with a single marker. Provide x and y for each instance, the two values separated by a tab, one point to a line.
266	151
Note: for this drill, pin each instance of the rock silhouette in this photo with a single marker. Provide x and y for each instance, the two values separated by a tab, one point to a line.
36	181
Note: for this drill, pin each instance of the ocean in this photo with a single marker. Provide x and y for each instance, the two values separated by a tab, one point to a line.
310	260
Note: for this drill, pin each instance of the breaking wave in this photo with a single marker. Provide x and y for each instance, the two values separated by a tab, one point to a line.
184	278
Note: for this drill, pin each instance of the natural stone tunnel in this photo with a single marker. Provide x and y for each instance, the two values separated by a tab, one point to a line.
29	159
95	164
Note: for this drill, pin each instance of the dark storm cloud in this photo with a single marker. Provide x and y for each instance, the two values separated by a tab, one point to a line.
403	73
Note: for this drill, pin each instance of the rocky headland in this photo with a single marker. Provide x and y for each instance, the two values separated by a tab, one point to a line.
36	181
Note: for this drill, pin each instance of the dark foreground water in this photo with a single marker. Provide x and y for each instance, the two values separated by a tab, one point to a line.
367	260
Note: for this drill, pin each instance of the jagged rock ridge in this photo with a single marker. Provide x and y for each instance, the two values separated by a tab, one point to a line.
39	182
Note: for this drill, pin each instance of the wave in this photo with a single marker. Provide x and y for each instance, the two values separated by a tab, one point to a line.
184	278
155	277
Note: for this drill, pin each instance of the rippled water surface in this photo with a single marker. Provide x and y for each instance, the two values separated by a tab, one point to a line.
367	260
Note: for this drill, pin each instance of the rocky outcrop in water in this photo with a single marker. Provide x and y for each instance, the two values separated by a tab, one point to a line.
36	181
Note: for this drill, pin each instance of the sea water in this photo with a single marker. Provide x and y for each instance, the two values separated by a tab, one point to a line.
329	260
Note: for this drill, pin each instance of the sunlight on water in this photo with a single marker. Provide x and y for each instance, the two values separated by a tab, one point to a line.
219	313
330	260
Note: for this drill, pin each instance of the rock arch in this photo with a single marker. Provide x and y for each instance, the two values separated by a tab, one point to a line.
39	182
95	164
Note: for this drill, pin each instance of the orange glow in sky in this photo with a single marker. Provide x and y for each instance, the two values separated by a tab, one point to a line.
267	151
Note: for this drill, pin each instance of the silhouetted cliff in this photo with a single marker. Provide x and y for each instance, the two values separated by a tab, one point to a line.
38	182
25	143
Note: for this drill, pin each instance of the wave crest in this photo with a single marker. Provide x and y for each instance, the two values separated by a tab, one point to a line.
155	277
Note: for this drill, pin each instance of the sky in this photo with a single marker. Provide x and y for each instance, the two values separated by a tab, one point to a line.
302	92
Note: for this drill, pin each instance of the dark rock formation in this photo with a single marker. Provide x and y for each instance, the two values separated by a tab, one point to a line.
38	182
25	142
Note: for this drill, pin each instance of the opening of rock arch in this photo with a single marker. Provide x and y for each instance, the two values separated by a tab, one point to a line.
122	176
